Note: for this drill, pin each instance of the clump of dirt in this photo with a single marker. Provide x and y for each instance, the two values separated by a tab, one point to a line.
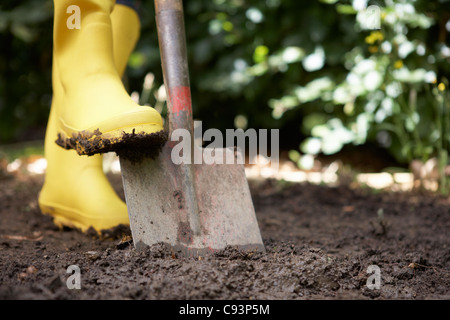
136	147
131	146
320	243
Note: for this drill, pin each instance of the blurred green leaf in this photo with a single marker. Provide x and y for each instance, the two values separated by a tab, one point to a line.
345	9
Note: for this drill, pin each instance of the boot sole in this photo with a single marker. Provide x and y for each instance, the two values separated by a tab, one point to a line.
125	142
67	217
64	217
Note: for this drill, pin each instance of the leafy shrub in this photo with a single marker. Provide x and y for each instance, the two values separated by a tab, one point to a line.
324	71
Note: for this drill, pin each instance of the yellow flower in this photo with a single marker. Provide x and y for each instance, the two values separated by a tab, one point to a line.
441	86
379	35
398	64
374	36
369	39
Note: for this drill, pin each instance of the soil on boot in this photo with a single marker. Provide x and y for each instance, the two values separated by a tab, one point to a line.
131	146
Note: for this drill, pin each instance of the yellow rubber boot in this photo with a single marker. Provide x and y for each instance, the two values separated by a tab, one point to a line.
76	192
126	30
97	114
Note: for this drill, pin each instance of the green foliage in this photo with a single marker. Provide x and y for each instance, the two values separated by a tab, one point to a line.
387	88
25	67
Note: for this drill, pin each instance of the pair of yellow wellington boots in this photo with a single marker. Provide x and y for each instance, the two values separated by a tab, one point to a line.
91	112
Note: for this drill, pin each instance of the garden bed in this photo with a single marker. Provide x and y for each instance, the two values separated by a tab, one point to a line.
320	242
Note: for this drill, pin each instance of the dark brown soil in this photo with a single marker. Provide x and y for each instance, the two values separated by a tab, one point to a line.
320	242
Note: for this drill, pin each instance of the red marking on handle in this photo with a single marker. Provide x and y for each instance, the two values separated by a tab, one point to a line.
180	98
